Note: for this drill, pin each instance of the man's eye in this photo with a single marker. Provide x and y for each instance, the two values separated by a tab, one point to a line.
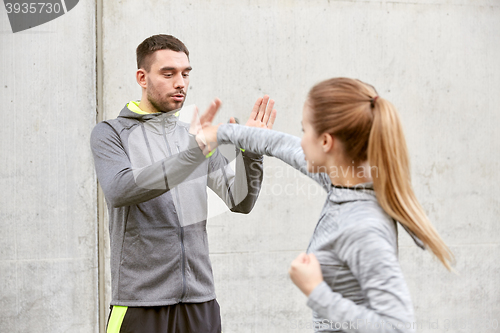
185	74
168	75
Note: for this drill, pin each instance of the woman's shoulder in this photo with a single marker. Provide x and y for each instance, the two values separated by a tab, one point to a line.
359	218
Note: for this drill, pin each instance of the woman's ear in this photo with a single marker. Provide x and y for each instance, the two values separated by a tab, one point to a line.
327	142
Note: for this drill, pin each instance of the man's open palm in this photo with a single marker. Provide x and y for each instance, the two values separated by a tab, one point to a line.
263	115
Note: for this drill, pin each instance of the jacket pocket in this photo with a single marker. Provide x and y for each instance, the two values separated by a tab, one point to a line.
150	266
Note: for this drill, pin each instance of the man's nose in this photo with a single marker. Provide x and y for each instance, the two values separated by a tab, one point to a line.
179	81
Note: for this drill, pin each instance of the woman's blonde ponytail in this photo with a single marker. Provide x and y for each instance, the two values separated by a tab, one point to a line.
387	152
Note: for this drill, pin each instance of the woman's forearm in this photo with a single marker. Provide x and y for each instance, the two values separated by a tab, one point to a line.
284	146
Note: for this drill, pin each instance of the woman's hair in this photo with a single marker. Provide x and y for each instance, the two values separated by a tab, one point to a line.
370	130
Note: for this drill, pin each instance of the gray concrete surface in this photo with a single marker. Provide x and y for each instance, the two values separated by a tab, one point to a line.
48	226
436	60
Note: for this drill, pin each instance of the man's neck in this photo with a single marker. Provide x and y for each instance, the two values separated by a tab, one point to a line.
146	106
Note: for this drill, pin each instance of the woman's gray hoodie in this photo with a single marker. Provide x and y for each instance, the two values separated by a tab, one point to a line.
355	242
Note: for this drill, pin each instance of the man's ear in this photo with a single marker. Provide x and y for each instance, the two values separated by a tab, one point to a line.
327	142
140	76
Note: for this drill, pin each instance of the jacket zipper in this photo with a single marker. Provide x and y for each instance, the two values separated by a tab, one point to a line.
314	232
184	286
183	254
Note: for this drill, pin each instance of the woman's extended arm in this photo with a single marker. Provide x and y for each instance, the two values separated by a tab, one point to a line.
284	146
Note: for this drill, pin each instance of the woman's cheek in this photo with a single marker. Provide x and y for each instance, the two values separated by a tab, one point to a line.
302	144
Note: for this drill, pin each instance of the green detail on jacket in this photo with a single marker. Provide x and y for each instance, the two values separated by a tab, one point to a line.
211	153
134	107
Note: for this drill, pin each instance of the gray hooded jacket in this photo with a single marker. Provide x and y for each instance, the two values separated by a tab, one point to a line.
355	242
154	177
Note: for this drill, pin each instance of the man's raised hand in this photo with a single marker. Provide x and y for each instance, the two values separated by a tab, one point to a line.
198	122
206	133
263	114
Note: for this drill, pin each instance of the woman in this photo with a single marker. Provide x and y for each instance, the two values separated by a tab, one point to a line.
353	145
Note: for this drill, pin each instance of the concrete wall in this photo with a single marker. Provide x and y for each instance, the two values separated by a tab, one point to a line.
436	60
48	225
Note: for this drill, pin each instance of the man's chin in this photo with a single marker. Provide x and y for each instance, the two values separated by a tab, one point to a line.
172	107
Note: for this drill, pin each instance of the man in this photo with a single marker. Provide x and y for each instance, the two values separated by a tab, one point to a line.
154	177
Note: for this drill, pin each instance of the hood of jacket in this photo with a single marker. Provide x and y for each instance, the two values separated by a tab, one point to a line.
154	122
365	191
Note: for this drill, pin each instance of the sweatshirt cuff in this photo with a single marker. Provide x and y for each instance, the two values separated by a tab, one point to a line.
224	133
194	151
322	297
252	155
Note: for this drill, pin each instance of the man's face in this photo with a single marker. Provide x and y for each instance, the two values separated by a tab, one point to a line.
168	80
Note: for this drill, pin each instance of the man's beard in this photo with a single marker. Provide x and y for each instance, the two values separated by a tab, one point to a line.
164	106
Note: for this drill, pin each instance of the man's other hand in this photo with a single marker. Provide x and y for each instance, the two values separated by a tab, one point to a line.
263	115
202	128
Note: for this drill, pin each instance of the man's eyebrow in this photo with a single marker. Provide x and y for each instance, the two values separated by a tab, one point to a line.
173	69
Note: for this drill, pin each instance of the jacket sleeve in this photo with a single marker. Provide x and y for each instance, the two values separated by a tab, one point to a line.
240	188
372	259
284	146
124	186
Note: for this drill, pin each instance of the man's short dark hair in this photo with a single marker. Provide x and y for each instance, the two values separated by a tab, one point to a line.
154	43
